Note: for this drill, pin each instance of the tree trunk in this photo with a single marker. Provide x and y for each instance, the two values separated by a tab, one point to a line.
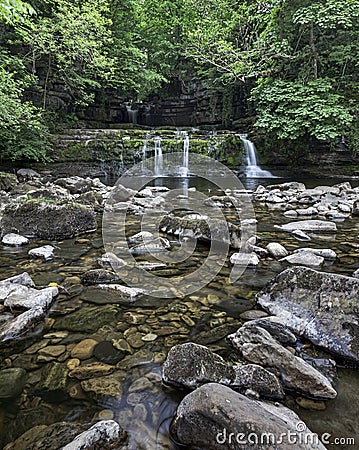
46	82
314	51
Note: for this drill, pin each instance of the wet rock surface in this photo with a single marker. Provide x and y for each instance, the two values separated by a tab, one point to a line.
191	365
257	346
207	416
322	307
48	220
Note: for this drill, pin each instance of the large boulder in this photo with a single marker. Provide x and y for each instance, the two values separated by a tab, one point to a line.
203	228
48	220
214	417
322	307
75	184
191	365
256	345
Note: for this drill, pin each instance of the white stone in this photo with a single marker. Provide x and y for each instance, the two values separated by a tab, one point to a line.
276	250
325	253
46	252
126	292
244	259
24	297
14	239
304	259
104	431
310	225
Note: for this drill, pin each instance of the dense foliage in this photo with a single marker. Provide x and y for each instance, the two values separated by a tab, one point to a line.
296	61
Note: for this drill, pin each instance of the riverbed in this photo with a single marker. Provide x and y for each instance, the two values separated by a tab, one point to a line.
146	407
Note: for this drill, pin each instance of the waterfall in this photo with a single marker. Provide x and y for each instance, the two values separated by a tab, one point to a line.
184	168
158	156
132	114
252	168
144	152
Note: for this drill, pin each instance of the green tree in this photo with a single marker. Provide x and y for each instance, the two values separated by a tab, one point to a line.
71	39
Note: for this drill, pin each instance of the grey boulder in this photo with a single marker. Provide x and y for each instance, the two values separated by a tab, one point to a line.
192	365
257	346
321	307
206	418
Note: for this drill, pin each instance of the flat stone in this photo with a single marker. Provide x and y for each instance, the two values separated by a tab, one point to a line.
315	226
321	307
52	350
304	258
103	387
14	240
253	314
91	371
325	253
84	349
124	292
276	328
96	276
141	384
12	382
300	235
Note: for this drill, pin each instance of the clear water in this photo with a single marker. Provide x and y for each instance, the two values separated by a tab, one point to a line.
147	412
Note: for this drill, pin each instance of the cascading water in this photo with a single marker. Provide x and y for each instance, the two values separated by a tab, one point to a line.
132	114
184	168
252	168
158	156
144	151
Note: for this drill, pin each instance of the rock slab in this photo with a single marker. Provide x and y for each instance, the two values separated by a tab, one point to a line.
322	307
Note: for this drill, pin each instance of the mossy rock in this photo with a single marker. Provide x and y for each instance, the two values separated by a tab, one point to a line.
48	220
87	319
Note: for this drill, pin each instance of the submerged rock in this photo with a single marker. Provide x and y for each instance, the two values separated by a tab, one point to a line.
96	276
206	418
191	365
48	220
12	382
321	307
256	345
